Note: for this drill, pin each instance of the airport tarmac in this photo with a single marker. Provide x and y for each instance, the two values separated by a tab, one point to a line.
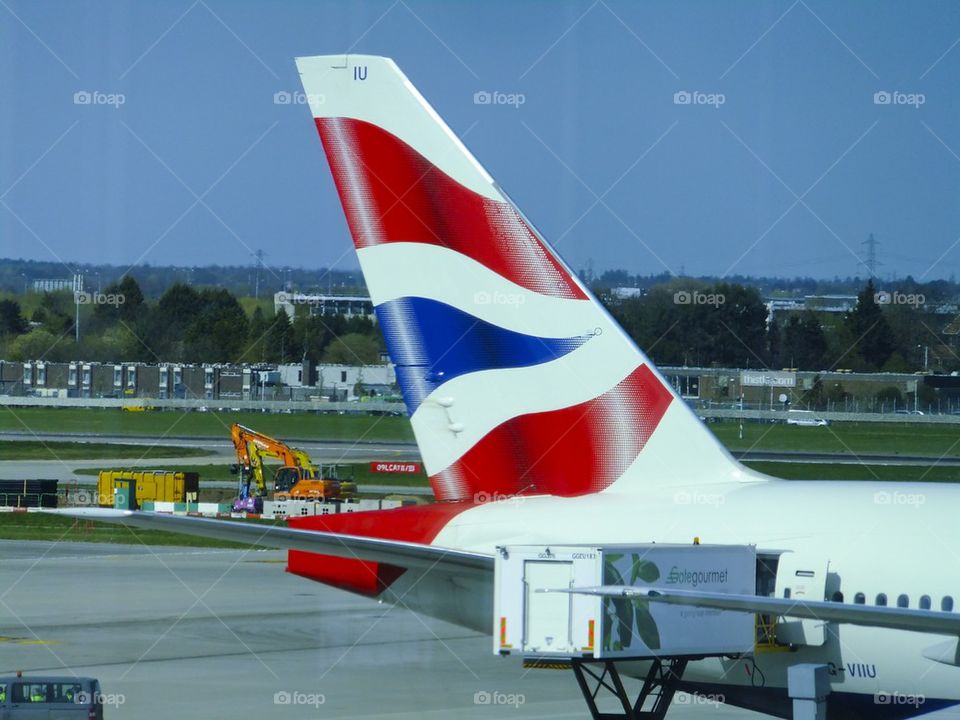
358	451
329	450
203	633
207	633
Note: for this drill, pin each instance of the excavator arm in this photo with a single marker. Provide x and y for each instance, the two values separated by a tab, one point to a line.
253	446
256	468
250	447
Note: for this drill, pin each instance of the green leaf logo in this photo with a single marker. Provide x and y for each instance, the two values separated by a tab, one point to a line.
627	619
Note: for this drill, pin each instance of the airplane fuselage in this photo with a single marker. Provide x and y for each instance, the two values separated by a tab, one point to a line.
876	539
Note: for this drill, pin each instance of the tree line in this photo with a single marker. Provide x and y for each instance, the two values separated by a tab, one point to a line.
676	322
185	324
684	322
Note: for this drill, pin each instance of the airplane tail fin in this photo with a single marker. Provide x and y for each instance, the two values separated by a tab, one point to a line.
516	379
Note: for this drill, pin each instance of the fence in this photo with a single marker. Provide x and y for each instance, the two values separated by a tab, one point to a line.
387	408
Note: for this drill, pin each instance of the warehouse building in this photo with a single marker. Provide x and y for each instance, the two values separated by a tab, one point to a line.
295	381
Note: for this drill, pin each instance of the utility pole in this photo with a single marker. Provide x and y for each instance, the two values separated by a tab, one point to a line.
871	262
77	289
259	255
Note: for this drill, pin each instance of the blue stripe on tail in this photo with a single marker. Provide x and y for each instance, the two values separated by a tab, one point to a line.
431	342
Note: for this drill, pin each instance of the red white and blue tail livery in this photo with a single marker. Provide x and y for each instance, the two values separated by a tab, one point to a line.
517	381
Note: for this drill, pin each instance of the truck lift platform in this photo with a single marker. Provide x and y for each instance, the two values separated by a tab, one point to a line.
655	696
538	618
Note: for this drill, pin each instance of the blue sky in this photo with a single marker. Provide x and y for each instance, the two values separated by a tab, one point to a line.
787	176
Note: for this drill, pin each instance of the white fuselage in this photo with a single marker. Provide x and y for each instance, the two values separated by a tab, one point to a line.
895	539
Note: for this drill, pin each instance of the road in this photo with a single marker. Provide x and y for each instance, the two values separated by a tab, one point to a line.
846	458
360	450
321	450
331	451
191	633
324	451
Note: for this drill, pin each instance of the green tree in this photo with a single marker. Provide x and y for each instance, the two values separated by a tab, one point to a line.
165	326
867	324
56	312
219	330
353	349
117	343
804	342
693	323
35	345
11	319
312	334
897	364
281	342
129	305
911	332
736	326
256	350
774	344
179	305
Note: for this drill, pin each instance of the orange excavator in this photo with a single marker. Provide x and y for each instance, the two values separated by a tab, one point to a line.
298	478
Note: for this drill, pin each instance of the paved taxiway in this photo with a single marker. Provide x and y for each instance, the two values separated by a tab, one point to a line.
327	450
358	451
193	633
203	633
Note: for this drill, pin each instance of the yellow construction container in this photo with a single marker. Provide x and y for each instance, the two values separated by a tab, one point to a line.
150	485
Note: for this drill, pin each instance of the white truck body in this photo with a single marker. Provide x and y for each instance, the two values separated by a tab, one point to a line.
541	624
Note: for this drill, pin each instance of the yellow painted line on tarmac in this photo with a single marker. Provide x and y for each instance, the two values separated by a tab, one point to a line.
26	641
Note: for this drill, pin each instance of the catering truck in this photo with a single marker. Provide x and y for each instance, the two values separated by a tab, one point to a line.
537	615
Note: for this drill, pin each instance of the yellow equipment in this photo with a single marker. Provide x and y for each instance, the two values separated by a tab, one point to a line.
298	479
155	485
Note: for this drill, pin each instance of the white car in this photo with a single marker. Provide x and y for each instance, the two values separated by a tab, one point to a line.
806	418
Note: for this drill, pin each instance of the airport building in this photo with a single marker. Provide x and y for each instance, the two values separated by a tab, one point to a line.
324	305
295	381
839	390
74	284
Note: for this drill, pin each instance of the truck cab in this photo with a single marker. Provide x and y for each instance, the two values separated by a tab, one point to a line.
50	698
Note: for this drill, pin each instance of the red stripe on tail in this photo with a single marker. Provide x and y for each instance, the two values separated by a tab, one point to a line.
573	451
391	193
